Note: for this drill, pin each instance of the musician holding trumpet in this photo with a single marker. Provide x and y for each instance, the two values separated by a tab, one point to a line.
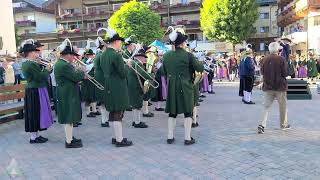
67	79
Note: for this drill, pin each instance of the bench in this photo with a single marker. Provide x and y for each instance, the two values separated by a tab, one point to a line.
12	103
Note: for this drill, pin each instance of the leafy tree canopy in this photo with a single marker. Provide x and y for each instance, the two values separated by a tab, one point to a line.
228	20
135	18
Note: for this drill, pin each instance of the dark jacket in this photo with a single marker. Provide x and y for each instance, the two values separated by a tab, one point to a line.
247	67
274	69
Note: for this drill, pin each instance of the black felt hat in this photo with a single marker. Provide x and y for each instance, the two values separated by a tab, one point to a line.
38	44
69	50
114	38
180	39
28	48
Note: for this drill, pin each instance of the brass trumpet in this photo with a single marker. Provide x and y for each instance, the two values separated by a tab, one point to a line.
90	78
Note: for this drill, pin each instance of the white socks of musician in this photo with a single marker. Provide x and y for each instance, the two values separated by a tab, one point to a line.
145	109
136	115
94	107
171	126
195	112
187	128
104	114
88	109
158	105
249	96
68	131
210	88
117	125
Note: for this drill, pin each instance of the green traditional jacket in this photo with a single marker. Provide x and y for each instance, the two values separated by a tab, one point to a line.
135	86
312	68
180	88
98	75
115	74
36	76
88	90
68	92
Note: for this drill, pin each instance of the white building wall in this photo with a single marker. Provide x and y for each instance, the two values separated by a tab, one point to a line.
7	26
45	22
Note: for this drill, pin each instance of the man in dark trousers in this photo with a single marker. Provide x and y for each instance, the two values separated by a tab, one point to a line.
247	75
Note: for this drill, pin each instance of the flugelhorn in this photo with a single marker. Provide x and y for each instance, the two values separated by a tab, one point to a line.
90	78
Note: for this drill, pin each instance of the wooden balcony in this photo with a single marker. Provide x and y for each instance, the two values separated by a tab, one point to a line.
70	18
40	36
177	9
28	23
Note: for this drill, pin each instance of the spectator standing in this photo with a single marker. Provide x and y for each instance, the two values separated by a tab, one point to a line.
17	71
274	70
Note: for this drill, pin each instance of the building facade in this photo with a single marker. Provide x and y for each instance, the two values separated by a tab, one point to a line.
299	20
33	18
265	28
7	34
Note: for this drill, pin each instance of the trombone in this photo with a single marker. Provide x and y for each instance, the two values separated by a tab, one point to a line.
149	80
90	78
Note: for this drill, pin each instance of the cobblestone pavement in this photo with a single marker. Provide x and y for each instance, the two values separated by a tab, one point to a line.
227	147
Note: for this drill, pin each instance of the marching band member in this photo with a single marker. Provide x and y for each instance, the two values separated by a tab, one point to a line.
159	91
68	94
116	90
98	75
210	75
38	115
136	88
88	89
129	48
180	99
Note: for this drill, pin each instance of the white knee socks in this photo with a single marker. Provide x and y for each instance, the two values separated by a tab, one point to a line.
145	109
171	127
210	88
94	107
195	112
117	125
33	135
187	128
88	109
104	115
68	131
136	116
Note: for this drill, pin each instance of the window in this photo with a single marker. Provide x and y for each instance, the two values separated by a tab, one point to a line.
193	37
25	18
73	26
262	47
99	25
316	20
264	29
264	15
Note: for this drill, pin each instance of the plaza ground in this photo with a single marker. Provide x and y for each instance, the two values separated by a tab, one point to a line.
227	146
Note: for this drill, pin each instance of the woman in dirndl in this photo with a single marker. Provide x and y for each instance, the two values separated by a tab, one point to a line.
302	70
37	108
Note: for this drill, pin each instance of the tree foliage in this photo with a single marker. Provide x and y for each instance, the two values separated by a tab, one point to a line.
18	38
228	20
135	18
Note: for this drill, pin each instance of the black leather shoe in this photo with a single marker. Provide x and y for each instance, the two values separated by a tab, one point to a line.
129	109
91	114
38	141
159	109
106	124
149	104
75	125
97	113
124	143
195	125
198	104
189	142
170	141
113	140
79	123
211	92
148	115
140	125
43	138
76	140
200	100
202	96
73	144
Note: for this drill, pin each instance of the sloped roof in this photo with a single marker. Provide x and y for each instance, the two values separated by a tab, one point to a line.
37	3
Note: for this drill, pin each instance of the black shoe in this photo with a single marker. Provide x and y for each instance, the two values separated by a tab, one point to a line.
200	100
37	141
149	104
97	113
43	138
140	125
75	125
250	102
159	109
129	109
79	123
260	129
195	125
106	124
189	142
148	115
76	140
198	104
211	92
73	144
91	114
170	141
123	143
202	96
113	140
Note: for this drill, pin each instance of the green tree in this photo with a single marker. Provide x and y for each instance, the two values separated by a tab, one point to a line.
135	18
18	39
228	20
